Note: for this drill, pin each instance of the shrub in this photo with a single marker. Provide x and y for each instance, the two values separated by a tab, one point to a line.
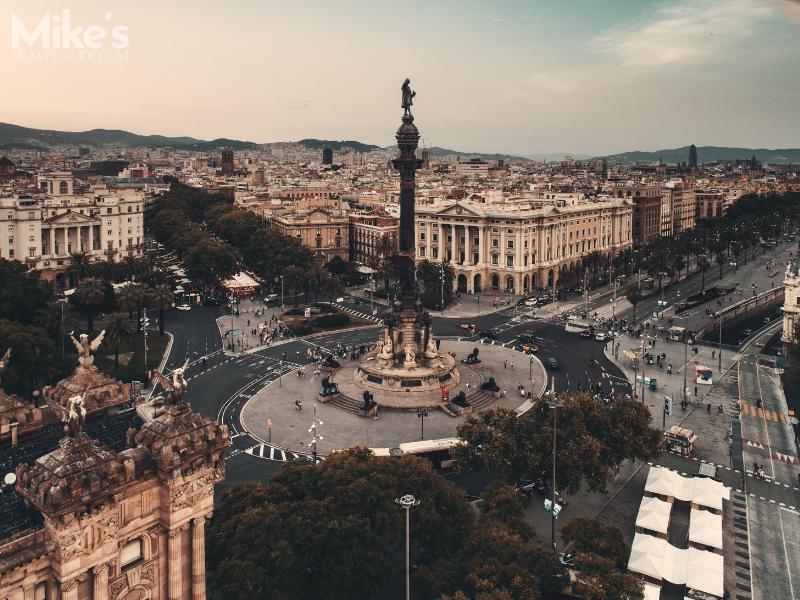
334	320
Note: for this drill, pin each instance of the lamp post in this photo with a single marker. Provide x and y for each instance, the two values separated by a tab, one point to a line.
442	288
407	502
554	403
145	323
422	413
281	291
685	357
719	345
315	436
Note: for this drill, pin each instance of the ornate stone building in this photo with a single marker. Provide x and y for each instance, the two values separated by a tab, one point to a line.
116	509
509	247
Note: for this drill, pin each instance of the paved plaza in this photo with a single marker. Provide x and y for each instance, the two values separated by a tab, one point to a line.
275	403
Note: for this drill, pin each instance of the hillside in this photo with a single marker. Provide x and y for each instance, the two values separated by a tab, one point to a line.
708	154
14	136
337	146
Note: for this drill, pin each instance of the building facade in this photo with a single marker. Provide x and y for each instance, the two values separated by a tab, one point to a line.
325	231
366	234
43	230
492	247
791	302
113	512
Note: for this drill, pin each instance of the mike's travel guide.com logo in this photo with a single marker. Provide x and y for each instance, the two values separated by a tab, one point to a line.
57	38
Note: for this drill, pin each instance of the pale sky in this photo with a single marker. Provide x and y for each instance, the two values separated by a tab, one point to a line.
523	77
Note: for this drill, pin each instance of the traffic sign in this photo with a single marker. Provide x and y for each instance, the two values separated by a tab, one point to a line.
667	405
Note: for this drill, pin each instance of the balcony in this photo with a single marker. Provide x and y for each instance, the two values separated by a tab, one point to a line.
33	259
110	252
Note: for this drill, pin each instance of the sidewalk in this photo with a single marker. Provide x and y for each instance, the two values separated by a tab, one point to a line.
243	324
670	385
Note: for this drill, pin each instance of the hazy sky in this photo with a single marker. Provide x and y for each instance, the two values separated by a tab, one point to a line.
584	76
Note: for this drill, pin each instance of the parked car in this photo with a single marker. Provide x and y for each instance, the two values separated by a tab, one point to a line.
183	307
531	302
467	326
551	363
601	336
488	333
526	338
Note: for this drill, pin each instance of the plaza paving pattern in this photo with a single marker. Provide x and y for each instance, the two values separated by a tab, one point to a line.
392	427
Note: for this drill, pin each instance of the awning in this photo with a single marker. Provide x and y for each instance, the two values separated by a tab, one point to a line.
705	528
654	514
697	490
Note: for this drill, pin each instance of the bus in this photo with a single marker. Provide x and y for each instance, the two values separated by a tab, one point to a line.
436	451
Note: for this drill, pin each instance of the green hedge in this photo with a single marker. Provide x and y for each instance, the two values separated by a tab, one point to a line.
335	320
302	330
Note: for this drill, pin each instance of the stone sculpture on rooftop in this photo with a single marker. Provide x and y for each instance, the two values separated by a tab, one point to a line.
85	348
76	416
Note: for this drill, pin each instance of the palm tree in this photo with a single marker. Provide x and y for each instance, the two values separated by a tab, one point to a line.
703	263
387	272
721	260
78	265
634	296
89	295
315	276
127	299
330	286
295	278
162	296
119	330
385	246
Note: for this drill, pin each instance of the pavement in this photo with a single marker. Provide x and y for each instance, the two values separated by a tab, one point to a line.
275	405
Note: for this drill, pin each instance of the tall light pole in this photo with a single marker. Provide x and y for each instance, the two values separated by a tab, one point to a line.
685	357
555	403
281	291
422	413
442	287
719	345
315	436
407	502
145	323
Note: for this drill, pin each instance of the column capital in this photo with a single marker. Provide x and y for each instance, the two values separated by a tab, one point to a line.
70	584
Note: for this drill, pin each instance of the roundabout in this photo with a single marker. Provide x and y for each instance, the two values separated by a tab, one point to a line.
272	417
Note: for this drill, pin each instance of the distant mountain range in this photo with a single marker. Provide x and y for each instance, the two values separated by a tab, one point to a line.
708	154
26	138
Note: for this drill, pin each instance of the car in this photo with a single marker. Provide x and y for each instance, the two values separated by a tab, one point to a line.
586	333
467	326
183	307
530	348
488	333
271	298
766	320
601	336
551	363
526	338
530	302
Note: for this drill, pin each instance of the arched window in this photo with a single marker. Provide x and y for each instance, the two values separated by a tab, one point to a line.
63	187
131	553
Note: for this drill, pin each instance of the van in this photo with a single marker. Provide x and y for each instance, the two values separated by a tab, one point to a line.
552	364
271	298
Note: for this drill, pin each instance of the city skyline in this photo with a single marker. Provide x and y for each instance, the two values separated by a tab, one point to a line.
519	78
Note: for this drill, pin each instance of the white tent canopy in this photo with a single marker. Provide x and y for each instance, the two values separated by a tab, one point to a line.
698	490
651	592
654	514
657	558
705	528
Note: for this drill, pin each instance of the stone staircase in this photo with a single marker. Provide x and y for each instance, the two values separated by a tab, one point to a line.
348	404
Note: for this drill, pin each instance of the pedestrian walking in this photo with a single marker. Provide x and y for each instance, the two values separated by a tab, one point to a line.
713	353
298	405
695	390
512	364
708	408
505	364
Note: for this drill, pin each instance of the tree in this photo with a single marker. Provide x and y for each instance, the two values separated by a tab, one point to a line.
330	286
22	293
89	296
385	246
591	441
634	296
332	530
429	276
211	262
388	272
315	275
163	296
600	560
78	266
119	330
32	356
703	263
128	298
295	278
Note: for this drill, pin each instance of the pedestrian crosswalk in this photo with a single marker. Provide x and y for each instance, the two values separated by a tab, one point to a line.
357	313
272	453
764	413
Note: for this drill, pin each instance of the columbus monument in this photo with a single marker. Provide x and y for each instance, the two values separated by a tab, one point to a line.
406	369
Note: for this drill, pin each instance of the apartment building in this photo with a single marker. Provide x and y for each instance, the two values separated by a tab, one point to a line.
44	229
366	233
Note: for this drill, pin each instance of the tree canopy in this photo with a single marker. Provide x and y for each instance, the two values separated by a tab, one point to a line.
592	439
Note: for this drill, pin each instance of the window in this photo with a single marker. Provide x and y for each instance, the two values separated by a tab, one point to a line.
63	187
40	591
131	553
510	243
495	259
130	209
509	261
435	237
495	243
422	235
422	250
109	211
31	215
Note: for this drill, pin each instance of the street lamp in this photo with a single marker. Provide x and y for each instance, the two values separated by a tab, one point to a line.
315	436
685	356
145	323
555	403
281	291
422	413
407	502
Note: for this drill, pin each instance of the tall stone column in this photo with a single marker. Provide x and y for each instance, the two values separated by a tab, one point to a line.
199	558
69	588
481	258
91	238
52	237
175	564
100	582
453	246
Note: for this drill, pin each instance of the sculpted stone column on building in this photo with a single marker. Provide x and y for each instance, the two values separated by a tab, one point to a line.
175	564
100	582
199	557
